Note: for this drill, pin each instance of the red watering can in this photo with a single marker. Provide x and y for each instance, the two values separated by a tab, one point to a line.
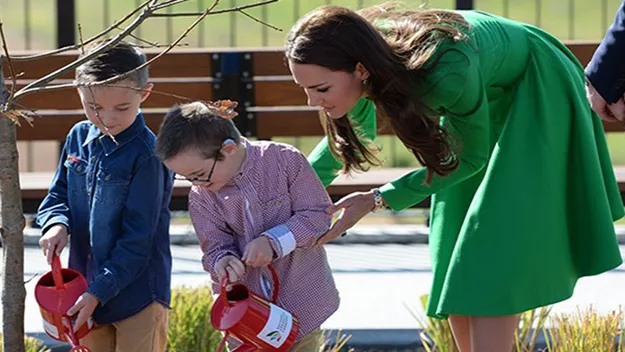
258	324
56	292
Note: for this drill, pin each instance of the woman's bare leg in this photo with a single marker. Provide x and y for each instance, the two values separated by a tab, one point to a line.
461	328
493	334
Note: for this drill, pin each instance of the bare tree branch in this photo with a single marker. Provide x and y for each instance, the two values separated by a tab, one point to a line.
11	70
149	44
48	78
169	3
260	21
182	36
106	131
232	9
41	84
82	42
90	40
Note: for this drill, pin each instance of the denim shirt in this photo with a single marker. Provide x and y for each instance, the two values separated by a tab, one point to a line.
114	201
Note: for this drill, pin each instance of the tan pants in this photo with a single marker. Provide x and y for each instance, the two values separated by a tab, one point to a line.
142	332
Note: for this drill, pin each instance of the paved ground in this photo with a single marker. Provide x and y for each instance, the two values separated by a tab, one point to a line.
379	285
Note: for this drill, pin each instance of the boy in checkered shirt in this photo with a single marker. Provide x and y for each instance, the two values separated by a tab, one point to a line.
254	203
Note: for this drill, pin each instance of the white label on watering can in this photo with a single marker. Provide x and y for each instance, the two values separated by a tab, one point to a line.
51	329
278	326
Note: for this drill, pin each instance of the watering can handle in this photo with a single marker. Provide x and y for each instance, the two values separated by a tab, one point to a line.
224	283
56	272
276	284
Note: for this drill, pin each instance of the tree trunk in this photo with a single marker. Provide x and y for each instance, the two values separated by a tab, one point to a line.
11	229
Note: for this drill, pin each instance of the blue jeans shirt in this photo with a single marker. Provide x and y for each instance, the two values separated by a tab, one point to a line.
114	201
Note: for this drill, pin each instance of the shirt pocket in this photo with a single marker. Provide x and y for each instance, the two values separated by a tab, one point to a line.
76	175
111	187
276	210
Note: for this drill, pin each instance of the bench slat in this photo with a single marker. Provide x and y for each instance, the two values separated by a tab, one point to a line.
197	62
67	99
51	124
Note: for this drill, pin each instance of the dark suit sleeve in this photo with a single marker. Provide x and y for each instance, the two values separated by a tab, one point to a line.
606	70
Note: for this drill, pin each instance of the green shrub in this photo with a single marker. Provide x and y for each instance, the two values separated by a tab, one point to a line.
190	329
32	344
586	331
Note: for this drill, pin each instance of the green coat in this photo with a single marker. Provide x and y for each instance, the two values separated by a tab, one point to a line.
530	208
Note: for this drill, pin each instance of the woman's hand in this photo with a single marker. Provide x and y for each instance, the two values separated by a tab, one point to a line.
607	112
355	206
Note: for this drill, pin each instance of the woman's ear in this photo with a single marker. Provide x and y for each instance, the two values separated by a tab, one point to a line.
361	71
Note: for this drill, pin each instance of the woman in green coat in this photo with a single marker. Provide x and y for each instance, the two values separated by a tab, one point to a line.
524	194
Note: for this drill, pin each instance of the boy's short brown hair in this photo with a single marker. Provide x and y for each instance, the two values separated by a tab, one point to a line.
193	125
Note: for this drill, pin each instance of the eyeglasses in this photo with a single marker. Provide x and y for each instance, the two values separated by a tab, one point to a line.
196	179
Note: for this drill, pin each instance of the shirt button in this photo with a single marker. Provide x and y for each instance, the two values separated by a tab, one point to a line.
78	168
107	177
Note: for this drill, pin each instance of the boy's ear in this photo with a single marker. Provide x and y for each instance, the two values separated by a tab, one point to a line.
145	93
229	147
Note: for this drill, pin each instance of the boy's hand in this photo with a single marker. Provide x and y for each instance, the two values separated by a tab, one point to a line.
258	253
84	307
230	267
54	240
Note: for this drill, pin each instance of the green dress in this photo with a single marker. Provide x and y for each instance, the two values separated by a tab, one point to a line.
530	208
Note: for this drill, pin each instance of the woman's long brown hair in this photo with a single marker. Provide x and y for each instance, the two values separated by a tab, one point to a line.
394	55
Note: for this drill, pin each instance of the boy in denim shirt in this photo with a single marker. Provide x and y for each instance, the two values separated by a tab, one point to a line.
111	194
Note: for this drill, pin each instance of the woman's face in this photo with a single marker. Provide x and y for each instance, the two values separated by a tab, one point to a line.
336	92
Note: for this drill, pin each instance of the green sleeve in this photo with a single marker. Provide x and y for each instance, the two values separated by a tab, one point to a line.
457	90
321	158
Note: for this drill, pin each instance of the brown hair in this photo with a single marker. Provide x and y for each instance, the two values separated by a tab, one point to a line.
193	125
116	60
394	55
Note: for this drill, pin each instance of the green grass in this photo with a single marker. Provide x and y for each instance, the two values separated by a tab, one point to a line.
567	19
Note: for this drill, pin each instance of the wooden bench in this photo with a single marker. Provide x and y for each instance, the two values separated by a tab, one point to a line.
271	105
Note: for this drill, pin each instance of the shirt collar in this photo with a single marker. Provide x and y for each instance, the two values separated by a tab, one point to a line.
248	161
123	138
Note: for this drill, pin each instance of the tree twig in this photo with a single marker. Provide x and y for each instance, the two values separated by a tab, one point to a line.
82	43
90	40
48	78
106	131
169	3
260	21
171	46
11	70
232	9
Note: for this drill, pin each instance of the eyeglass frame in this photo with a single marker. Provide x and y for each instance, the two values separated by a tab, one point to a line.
196	179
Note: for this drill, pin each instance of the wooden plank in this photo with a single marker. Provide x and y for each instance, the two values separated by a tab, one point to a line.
34	185
293	121
54	125
176	63
67	99
270	62
582	50
613	126
278	93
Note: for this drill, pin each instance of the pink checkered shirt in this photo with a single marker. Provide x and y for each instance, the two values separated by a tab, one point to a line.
277	194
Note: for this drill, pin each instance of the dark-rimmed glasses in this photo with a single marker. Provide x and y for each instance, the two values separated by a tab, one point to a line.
197	179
